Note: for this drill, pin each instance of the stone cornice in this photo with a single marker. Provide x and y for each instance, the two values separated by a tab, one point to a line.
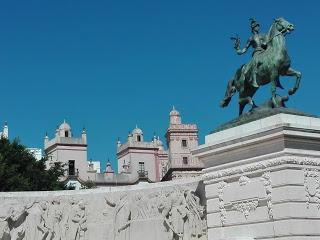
301	162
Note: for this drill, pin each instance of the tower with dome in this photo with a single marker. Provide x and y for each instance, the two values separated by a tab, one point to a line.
139	157
181	139
69	150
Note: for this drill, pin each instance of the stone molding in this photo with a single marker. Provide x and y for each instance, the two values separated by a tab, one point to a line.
185	174
211	177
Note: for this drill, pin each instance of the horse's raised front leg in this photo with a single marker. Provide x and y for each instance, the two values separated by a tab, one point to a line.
297	74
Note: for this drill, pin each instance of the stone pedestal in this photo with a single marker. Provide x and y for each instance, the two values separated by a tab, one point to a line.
262	179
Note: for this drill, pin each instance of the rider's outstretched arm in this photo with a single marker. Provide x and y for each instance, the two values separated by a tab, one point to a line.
245	49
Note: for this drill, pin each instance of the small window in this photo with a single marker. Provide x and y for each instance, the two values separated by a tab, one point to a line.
66	133
71	169
139	138
185	160
141	166
184	143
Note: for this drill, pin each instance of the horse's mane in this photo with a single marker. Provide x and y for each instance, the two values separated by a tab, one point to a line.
271	30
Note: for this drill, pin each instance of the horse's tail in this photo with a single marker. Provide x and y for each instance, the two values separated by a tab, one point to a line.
230	91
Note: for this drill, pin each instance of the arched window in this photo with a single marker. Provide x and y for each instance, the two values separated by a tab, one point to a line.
139	138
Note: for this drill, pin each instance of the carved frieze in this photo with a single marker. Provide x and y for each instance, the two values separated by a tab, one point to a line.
179	211
45	220
169	213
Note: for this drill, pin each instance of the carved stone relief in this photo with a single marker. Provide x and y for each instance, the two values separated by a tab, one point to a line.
171	212
244	180
178	211
266	179
312	186
223	211
246	206
41	220
247	202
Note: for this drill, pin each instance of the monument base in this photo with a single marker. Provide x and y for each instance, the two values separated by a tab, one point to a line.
262	179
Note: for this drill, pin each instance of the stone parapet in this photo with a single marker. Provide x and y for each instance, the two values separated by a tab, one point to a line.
66	141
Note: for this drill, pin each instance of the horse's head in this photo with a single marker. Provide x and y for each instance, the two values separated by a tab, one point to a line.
283	26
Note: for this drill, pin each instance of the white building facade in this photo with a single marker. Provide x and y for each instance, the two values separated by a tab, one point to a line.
68	150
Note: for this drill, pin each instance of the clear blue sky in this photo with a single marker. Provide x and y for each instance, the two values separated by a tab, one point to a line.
109	65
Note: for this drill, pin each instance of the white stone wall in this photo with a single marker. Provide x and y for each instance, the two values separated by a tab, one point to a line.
276	200
155	211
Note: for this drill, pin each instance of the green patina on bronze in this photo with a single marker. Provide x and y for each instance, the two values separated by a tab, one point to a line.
270	60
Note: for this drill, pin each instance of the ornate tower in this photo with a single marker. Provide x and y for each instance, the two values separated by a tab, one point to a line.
181	138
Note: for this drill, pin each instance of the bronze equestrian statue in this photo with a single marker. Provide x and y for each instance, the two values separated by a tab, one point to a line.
270	60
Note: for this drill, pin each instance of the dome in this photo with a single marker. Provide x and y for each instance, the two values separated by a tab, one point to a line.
65	126
137	131
174	112
175	117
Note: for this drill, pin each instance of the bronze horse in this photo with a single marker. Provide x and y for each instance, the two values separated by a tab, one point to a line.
271	64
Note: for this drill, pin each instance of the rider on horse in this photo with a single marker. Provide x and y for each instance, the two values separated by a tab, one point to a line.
258	42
